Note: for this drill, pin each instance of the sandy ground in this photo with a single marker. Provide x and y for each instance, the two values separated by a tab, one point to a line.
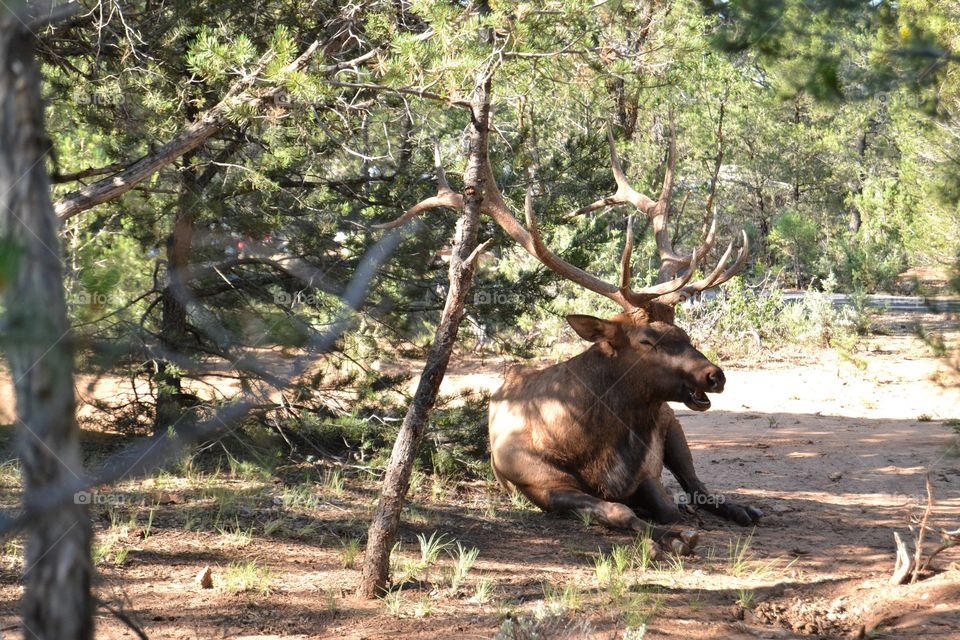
835	456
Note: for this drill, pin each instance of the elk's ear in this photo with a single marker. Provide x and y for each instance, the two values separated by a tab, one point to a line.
596	330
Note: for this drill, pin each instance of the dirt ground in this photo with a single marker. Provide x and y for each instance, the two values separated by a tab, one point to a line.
834	455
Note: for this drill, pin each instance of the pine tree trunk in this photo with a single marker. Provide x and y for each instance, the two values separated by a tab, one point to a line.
396	481
56	602
173	320
856	218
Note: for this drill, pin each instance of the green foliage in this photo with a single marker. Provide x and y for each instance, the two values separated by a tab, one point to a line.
795	236
743	318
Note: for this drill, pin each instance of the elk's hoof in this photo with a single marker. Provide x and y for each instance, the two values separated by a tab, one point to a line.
691	537
744	516
654	551
679	547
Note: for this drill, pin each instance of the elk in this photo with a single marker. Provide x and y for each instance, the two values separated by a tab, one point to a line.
594	433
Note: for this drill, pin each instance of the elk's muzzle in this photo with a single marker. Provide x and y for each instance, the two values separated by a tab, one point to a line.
711	379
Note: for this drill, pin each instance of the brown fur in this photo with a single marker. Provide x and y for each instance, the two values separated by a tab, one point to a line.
588	434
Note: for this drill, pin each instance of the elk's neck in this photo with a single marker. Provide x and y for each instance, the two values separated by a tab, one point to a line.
623	386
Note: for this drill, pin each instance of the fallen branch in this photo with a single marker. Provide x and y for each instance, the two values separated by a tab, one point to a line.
918	554
903	565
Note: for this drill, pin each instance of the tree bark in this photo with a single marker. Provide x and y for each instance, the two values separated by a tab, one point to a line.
173	320
856	218
56	603
386	521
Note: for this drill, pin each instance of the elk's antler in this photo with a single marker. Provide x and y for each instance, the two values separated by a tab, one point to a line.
657	211
670	292
622	294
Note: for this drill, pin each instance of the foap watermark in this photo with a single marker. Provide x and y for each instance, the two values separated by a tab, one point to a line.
90	298
282	99
98	98
98	498
288	299
488	297
700	499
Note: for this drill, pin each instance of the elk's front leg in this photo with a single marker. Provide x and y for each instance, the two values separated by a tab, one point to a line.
677	458
620	516
651	498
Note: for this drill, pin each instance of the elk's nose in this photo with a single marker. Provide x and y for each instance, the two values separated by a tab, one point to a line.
715	379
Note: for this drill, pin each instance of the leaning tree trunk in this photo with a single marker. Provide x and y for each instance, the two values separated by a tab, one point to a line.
56	601
383	528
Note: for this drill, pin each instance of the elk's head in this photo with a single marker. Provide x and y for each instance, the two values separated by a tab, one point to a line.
656	356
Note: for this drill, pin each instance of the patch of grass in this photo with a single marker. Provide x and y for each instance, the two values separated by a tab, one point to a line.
13	552
542	626
10	473
148	528
519	501
439	487
742	562
300	495
330	601
430	549
248	575
101	551
463	561
635	633
640	610
489	506
585	517
924	417
559	600
333	482
424	607
483	590
746	598
417	478
643	551
306	531
120	557
236	535
349	551
414	515
672	563
273	526
622	557
394	601
603	569
246	470
739	557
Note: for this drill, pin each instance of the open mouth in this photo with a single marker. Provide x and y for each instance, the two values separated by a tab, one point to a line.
696	400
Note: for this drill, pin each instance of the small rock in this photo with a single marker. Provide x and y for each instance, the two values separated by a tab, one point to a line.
162	498
836	475
205	578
